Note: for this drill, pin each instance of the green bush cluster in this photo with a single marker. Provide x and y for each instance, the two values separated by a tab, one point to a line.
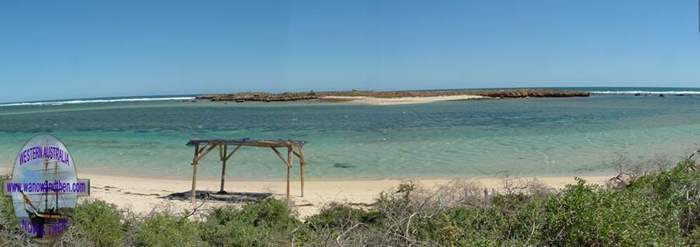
267	223
100	222
163	229
659	209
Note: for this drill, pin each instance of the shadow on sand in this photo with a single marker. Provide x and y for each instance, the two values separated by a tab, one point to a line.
234	197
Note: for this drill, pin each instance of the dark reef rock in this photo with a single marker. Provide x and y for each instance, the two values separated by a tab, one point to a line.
343	165
300	96
539	93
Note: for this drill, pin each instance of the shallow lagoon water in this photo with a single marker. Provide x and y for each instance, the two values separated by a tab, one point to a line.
462	138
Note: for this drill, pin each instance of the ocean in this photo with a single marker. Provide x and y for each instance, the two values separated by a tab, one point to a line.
146	136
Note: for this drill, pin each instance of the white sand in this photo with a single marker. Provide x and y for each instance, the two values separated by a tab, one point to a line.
400	100
142	195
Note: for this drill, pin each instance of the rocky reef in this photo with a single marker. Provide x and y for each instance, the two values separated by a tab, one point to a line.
299	96
538	93
265	97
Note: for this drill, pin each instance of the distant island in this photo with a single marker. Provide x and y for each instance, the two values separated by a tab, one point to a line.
393	97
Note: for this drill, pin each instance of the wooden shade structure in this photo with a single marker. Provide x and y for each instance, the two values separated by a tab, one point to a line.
203	146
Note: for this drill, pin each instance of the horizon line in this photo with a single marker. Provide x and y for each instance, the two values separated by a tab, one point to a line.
294	91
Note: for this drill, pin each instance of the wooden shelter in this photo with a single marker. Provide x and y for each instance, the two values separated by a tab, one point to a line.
203	146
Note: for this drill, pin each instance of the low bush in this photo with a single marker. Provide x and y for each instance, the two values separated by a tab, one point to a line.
167	229
592	216
340	216
100	222
10	232
265	223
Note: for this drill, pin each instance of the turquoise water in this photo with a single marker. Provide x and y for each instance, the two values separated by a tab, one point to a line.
461	138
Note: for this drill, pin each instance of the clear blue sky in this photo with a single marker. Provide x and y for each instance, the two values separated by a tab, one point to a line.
78	49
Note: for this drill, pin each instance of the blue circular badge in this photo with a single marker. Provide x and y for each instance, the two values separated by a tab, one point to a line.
44	187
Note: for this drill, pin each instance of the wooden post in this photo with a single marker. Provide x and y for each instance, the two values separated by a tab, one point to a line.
194	175
223	167
289	166
301	169
198	155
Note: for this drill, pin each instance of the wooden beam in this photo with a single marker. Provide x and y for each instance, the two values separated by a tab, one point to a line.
281	158
234	151
297	154
199	150
202	154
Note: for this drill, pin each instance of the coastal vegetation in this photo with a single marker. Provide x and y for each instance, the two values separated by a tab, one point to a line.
327	96
654	204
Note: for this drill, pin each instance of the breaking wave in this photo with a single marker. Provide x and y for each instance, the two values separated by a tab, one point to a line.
647	92
91	101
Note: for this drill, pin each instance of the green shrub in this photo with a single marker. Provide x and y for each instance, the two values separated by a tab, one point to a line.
7	212
165	229
585	215
10	232
270	212
460	227
680	187
266	223
516	225
338	216
100	221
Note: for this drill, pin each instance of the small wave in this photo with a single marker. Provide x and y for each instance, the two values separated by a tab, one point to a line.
647	92
90	101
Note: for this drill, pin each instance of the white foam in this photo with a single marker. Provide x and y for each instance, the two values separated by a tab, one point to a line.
91	101
646	92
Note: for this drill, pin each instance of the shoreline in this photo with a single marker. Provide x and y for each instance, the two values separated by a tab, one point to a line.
82	173
143	195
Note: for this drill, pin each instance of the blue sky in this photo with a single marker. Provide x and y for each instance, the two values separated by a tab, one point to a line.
78	49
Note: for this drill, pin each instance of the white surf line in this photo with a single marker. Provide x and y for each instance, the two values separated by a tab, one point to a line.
89	101
647	92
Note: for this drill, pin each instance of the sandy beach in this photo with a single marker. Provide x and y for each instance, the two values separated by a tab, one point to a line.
400	100
142	195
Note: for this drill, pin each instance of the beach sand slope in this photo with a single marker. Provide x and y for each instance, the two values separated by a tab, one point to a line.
142	195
